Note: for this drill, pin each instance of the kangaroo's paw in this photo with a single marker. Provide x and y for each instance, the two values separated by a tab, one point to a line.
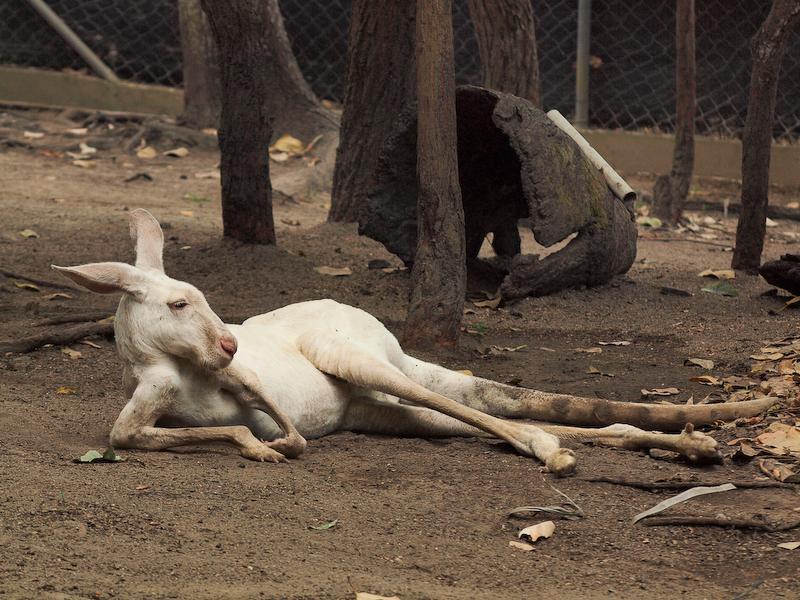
263	453
291	446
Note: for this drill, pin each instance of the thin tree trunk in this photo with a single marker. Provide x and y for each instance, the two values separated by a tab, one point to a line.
439	272
767	48
671	191
380	82
201	77
506	35
247	58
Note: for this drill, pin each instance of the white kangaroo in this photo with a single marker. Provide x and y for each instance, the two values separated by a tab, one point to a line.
312	368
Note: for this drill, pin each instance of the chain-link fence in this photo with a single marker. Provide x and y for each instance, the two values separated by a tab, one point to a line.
632	53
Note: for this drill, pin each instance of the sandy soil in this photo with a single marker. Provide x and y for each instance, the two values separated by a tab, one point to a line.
416	518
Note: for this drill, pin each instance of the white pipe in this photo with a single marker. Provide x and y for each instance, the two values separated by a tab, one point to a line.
616	183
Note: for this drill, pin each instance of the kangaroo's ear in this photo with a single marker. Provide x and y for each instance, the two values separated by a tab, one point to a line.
106	277
149	238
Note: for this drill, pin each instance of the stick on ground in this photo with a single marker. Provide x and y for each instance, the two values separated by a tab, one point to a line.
684	485
57	337
721	522
50	284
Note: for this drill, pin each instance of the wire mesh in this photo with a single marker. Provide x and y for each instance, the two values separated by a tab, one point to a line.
632	76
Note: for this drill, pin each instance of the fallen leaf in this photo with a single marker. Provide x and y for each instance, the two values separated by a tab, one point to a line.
108	319
769	356
653	222
177	152
58	296
770	223
673	291
622	343
279	157
541	530
86	149
779	471
147	152
78	131
699	362
721	274
91	344
28	233
589	350
33	135
593	371
661	392
93	456
209	131
368	596
722	288
490	303
73	354
290	145
477	329
84	164
186	213
66	390
520	545
24	285
498	349
683	497
325	525
546	349
790	302
186	247
207	175
141	488
782	437
334	271
706	379
789	545
291	222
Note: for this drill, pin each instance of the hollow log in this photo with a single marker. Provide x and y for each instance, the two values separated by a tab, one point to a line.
513	163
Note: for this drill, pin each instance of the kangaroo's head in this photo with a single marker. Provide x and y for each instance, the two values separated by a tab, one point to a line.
157	315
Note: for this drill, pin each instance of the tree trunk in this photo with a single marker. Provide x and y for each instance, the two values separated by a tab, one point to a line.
247	57
380	82
767	48
670	191
506	35
201	76
439	272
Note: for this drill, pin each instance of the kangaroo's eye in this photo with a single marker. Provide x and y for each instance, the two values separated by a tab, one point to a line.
179	304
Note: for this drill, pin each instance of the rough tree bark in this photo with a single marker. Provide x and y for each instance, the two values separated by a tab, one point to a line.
201	77
767	48
247	58
670	191
380	82
506	35
439	273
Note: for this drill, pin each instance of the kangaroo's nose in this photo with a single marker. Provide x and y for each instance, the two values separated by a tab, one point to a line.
228	344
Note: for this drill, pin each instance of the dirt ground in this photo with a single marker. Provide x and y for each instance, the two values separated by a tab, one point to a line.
417	518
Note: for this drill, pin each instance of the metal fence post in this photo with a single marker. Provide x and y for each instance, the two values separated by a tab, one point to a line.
582	63
73	40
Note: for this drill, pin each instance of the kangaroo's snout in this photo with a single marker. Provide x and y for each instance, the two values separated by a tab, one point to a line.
228	345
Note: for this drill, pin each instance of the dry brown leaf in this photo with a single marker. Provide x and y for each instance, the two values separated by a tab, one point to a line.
73	354
24	285
279	157
186	213
520	546
147	152
177	152
541	530
782	437
59	296
789	545
770	356
671	391
77	131
290	145
28	234
699	362
91	344
779	471
368	596
84	164
490	303
86	149
108	319
499	349
140	488
65	390
720	274
334	271
33	135
706	379
589	350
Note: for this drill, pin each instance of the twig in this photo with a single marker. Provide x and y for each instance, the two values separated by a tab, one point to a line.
60	337
75	318
50	284
773	212
721	522
684	485
691	240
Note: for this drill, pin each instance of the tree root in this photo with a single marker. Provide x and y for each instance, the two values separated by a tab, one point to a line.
57	338
684	485
721	522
